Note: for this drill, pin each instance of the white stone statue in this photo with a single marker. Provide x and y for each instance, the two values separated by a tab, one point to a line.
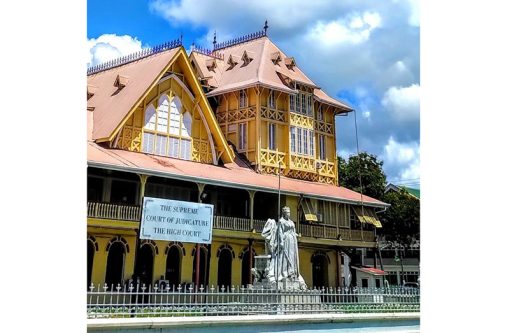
282	245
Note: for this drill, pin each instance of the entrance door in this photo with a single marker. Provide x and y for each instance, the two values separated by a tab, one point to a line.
91	254
144	265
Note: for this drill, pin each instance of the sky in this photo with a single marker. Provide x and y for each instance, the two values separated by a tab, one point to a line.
365	53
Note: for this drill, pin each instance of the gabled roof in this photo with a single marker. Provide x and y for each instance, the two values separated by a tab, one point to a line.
263	68
416	193
230	175
111	104
121	88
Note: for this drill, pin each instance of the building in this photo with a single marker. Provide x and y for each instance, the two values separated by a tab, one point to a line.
402	263
216	127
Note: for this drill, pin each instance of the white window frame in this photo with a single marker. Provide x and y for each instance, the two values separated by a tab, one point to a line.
271	136
322	147
242	136
272	100
243	98
293	139
292	103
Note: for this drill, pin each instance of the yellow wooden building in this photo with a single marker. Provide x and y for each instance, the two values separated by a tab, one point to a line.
216	127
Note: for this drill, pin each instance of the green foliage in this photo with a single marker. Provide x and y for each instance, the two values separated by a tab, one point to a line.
400	222
373	178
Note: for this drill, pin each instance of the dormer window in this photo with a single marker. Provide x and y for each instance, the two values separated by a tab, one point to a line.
232	61
90	91
247	57
211	64
290	63
276	58
121	81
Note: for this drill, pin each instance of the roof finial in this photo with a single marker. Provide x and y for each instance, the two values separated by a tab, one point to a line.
266	27
214	39
181	38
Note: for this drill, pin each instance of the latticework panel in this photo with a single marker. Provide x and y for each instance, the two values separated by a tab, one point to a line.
272	158
303	175
324	127
272	114
301	121
302	163
236	115
326	168
201	151
130	138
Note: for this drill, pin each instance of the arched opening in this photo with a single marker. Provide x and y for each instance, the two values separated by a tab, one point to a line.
224	268
172	266
144	264
115	264
91	254
245	268
319	271
203	266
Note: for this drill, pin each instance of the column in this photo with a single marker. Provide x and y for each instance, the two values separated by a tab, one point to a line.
252	196
339	268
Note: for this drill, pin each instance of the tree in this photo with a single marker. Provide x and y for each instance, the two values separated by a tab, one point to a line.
373	178
400	222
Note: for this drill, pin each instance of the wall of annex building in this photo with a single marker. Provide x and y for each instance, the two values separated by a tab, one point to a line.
132	135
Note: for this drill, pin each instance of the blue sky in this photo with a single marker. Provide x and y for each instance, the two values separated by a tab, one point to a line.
365	53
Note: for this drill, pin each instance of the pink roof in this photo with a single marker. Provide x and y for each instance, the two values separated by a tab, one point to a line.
261	70
230	175
370	270
324	98
112	105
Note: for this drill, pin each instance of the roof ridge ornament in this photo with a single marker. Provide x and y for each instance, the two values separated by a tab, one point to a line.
207	52
241	39
134	56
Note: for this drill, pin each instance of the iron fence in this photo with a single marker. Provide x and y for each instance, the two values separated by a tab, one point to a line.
176	301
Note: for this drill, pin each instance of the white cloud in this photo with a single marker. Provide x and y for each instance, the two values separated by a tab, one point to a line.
403	157
414	13
402	102
110	46
355	29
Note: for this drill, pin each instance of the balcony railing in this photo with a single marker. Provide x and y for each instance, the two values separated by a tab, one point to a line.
273	158
114	212
330	232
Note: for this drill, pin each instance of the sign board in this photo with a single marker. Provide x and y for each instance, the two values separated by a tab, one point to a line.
173	220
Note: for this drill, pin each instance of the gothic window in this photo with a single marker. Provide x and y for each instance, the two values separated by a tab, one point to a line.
168	129
272	136
271	100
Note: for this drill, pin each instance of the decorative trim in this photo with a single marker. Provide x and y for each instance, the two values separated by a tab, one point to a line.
150	243
178	245
134	56
226	247
206	52
94	242
239	40
245	250
118	239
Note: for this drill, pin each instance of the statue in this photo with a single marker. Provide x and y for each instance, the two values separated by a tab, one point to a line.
282	246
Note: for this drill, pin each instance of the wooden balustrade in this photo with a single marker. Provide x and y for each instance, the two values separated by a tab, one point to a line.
114	212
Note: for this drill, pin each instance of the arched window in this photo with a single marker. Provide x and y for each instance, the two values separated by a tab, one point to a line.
115	264
203	266
168	129
173	266
320	263
246	268
91	255
224	268
144	265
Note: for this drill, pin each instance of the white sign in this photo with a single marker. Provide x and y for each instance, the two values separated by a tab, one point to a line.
174	220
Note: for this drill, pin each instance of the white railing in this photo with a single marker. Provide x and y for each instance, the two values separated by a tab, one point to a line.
169	301
114	212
